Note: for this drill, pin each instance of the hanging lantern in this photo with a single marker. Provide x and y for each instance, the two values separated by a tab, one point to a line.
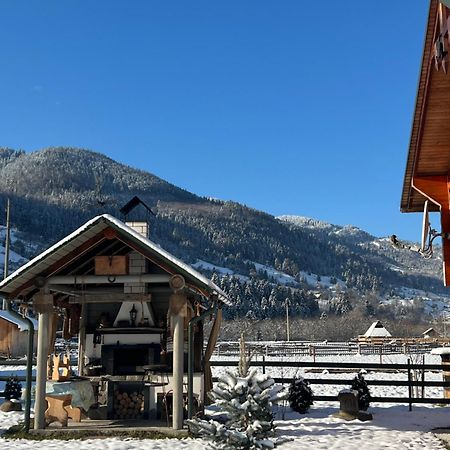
133	316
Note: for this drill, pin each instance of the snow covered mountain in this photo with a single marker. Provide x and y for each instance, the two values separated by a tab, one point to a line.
55	190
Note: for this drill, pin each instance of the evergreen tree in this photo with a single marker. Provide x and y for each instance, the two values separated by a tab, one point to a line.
13	389
246	397
300	395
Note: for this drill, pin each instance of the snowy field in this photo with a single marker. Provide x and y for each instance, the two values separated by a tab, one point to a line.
393	426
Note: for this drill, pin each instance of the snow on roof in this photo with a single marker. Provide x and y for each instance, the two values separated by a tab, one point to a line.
440	351
91	228
22	324
377	330
430	331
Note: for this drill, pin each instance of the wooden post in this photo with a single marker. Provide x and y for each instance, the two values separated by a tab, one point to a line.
409	385
381	354
178	360
263	364
82	339
178	311
7	241
41	370
287	322
423	377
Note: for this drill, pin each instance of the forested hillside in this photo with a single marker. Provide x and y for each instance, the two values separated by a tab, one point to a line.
55	190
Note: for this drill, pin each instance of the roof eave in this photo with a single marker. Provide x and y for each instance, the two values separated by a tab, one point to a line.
406	198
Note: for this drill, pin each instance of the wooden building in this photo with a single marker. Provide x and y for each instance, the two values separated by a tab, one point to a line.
135	308
13	335
431	333
428	162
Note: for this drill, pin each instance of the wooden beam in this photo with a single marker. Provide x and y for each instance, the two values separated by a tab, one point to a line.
111	298
106	279
436	189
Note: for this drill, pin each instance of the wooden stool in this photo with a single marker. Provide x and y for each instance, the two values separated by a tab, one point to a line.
56	411
73	412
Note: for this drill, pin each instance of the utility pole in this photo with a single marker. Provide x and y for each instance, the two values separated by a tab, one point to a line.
7	239
287	320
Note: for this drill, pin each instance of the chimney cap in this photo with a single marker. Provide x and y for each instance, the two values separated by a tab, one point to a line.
135	201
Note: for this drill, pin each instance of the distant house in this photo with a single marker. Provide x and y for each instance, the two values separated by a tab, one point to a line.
431	333
377	330
14	335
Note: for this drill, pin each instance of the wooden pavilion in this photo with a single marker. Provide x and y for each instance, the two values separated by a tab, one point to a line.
134	307
427	175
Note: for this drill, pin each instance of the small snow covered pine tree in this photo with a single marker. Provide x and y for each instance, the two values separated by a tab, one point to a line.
246	398
13	389
300	395
359	384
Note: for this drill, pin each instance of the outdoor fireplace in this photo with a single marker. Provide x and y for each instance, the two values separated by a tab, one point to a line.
129	359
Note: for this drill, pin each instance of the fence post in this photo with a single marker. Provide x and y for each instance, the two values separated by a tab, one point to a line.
381	354
409	385
263	364
423	377
314	353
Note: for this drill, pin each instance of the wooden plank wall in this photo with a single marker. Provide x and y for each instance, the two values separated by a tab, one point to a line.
12	341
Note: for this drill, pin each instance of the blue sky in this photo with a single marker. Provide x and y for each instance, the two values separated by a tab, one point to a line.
292	107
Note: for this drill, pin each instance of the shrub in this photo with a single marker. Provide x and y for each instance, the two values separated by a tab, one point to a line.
300	395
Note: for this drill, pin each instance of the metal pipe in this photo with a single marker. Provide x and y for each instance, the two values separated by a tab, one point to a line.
191	325
29	373
105	279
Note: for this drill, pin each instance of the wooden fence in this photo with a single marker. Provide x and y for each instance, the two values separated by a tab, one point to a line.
410	383
408	368
320	349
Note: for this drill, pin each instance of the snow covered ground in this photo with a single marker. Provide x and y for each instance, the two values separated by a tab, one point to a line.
393	426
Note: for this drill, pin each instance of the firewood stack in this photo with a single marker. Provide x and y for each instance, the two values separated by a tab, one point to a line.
128	405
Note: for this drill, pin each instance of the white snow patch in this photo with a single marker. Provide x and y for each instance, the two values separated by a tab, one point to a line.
200	264
393	426
321	281
434	304
278	276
